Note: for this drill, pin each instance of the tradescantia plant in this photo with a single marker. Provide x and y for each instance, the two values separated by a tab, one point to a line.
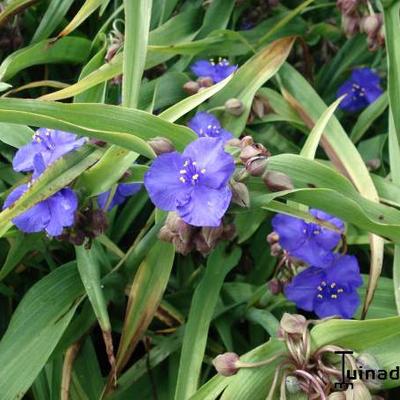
200	199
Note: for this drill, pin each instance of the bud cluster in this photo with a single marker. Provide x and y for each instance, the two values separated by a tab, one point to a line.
187	238
355	20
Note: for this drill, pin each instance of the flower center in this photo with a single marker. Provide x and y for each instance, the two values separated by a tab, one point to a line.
210	131
312	230
45	139
190	173
357	91
329	290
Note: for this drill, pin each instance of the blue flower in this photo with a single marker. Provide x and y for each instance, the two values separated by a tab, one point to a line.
123	191
207	125
51	215
195	183
362	89
328	291
216	71
307	241
47	146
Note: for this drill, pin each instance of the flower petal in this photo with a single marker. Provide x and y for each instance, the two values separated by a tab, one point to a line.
303	288
202	68
205	206
62	206
23	159
290	230
162	181
345	271
210	156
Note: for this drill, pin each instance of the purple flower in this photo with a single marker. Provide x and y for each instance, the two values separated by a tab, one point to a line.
216	71
328	291
307	241
51	215
362	89
195	183
207	125
47	146
123	191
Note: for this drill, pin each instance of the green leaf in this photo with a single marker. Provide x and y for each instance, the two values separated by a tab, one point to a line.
36	327
202	308
73	50
118	125
137	24
145	295
89	271
52	18
367	117
15	135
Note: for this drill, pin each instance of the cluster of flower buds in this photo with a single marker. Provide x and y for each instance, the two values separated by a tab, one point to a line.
356	18
115	43
187	238
89	224
193	87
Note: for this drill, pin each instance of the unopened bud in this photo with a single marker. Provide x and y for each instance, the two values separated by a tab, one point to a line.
358	392
273	237
161	145
234	107
275	286
252	151
373	164
255	166
350	25
240	194
293	324
246	141
337	396
225	364
205	81
292	384
191	87
177	232
211	235
277	181
347	7
371	24
276	249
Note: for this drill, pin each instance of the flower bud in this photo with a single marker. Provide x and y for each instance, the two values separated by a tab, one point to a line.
371	24
234	107
234	142
276	249
225	364
191	87
347	7
253	150
205	81
177	232
350	25
255	166
277	181
358	392
273	238
246	141
293	324
275	286
337	396
240	194
292	384
161	145
373	164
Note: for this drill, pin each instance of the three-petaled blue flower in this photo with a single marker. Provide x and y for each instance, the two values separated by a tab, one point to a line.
308	241
217	71
328	291
207	125
194	183
362	89
123	191
47	146
51	215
